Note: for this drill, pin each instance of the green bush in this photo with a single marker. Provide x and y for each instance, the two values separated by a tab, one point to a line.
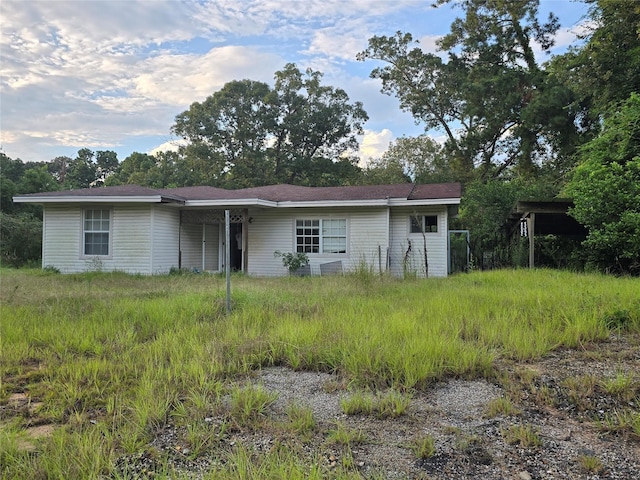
605	188
292	261
20	239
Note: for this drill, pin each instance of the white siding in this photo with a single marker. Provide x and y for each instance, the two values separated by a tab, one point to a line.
436	243
129	243
191	247
271	230
165	228
61	238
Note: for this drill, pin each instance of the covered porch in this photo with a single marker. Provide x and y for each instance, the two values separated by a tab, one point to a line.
202	245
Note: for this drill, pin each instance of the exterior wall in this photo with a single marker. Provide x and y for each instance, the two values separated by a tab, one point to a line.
61	233
436	243
130	239
165	224
191	247
274	229
147	239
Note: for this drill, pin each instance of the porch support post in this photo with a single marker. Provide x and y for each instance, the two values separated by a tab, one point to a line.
204	246
245	242
227	259
531	228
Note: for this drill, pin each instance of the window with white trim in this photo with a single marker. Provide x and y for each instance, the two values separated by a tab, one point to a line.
95	231
321	235
424	223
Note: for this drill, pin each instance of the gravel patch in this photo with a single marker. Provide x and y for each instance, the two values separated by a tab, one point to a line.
468	444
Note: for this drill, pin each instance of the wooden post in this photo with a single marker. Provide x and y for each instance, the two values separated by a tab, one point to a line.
531	228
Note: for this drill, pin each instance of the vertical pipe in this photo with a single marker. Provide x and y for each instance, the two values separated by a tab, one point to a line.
227	257
245	241
204	246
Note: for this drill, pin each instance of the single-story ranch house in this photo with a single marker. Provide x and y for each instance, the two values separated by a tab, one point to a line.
150	231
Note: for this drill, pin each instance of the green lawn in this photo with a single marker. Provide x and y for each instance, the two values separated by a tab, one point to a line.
130	352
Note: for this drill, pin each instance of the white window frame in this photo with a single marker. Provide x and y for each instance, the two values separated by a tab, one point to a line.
422	217
321	236
84	232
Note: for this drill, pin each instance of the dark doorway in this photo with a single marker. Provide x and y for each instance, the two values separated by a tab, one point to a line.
235	231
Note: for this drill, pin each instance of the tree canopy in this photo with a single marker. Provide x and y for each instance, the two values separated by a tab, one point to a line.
298	132
492	100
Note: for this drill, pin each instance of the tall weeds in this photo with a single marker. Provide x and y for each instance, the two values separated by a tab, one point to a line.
112	358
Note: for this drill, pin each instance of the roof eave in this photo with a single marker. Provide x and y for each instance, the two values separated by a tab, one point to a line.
395	202
98	199
238	202
332	203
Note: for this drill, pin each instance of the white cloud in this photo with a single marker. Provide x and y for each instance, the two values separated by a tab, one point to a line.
428	44
332	43
374	144
182	79
170	146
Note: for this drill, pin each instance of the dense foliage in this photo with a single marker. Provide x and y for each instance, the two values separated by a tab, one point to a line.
606	190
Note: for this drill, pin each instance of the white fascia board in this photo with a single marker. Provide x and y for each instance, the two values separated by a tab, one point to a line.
239	202
90	199
426	202
334	203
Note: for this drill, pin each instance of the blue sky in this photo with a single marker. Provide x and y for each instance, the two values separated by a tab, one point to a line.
112	75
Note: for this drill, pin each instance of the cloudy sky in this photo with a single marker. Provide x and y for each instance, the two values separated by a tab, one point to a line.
113	74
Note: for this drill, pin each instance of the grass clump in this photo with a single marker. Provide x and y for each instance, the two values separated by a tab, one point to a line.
390	404
301	419
423	446
524	435
501	406
626	422
580	389
249	403
622	386
590	464
345	436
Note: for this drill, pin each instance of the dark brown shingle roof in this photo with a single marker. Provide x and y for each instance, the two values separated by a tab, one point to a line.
274	193
296	193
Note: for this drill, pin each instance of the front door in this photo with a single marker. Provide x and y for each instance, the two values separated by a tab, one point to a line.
235	230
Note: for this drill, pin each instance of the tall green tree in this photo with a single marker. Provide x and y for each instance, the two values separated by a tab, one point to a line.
411	159
137	169
249	134
490	97
605	188
606	69
11	172
81	171
228	131
58	168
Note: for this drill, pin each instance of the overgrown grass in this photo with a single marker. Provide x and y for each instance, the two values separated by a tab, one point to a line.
112	357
